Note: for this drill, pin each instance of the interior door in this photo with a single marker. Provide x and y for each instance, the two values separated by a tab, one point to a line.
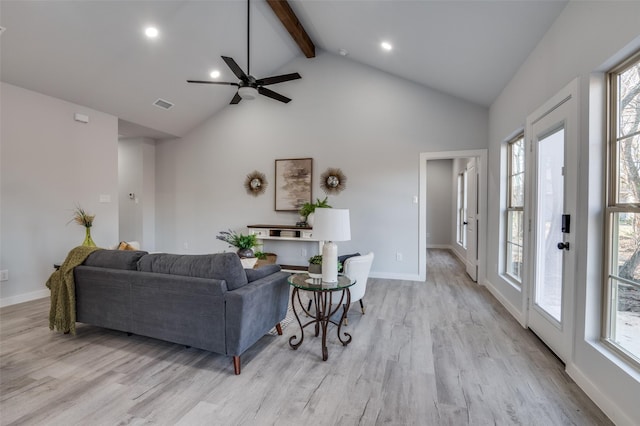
472	219
552	135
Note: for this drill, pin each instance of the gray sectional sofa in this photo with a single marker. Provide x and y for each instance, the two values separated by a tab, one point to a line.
205	301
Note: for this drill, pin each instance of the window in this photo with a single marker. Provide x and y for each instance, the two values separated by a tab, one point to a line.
622	265
515	208
462	209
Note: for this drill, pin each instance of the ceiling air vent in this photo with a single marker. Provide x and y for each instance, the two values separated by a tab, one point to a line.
161	103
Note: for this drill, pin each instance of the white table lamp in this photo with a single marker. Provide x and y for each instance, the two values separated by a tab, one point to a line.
331	225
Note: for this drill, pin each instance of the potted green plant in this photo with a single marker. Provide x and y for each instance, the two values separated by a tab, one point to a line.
315	266
307	209
244	243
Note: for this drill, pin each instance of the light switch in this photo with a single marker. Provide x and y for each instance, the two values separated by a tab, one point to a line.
105	198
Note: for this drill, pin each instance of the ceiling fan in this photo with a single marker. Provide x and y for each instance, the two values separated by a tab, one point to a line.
248	84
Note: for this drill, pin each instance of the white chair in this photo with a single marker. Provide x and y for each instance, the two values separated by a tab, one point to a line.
357	268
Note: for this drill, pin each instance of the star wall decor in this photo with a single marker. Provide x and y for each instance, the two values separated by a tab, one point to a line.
333	181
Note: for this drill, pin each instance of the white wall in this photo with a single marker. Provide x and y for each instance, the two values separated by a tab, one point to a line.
149	192
366	122
136	175
440	196
586	39
50	163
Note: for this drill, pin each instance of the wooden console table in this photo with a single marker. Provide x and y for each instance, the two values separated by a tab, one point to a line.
285	233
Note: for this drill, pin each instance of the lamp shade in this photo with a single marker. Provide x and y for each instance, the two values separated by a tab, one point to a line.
332	225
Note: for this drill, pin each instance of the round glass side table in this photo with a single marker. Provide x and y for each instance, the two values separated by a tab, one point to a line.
323	294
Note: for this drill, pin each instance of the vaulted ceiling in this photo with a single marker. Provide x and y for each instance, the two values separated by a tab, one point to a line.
95	53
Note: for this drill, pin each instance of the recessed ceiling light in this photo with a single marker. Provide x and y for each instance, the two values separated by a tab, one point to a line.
343	52
214	74
151	32
386	45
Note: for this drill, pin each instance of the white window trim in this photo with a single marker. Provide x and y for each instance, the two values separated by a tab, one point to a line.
509	208
611	207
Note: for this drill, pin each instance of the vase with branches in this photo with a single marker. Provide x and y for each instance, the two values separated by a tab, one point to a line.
81	217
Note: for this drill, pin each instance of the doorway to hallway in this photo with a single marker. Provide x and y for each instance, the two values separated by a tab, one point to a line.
473	205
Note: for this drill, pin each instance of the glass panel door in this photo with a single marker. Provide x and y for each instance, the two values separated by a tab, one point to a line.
552	175
550	202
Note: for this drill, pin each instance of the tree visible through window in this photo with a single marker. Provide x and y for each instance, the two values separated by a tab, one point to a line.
515	208
622	308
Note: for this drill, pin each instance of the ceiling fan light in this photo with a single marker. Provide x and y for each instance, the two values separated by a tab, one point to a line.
248	93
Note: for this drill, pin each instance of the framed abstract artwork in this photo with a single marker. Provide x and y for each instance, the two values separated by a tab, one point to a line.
293	183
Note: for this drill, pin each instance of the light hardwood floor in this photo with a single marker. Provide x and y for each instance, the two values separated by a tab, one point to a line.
442	352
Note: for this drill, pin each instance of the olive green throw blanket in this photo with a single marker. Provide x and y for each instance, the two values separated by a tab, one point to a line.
62	314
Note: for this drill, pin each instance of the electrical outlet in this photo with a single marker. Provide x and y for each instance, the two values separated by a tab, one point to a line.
186	246
398	256
4	275
303	252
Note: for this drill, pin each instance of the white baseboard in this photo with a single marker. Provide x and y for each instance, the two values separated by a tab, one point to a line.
459	256
440	246
513	310
25	297
609	407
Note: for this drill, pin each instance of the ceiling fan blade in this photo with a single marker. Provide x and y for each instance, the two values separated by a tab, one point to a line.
278	79
213	82
273	95
236	99
235	68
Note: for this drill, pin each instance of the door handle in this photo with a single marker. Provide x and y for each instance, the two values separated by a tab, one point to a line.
465	223
563	246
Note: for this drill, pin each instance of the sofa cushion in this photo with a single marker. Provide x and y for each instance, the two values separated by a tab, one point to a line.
261	272
115	259
220	266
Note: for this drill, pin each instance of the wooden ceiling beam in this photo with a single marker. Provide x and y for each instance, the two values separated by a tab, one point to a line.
283	11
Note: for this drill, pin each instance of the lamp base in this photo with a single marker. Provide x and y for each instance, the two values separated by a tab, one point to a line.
330	262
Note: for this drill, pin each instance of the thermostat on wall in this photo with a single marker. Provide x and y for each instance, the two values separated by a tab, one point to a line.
81	117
